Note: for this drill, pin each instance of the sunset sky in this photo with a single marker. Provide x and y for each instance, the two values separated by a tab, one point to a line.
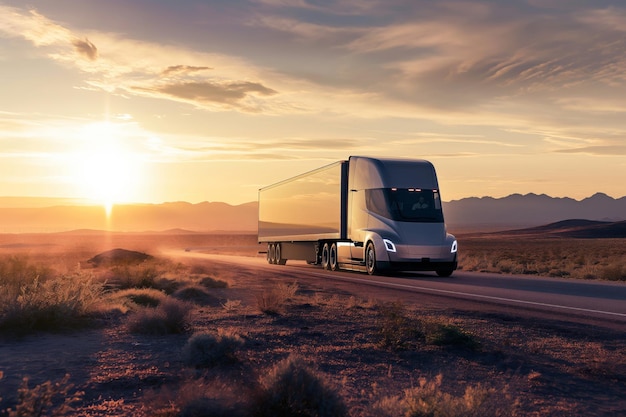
199	100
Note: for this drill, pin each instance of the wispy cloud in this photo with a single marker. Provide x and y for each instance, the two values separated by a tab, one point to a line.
608	150
233	94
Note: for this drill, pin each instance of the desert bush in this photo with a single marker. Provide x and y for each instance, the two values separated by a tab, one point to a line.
204	350
395	330
196	398
292	388
195	294
614	272
53	304
135	276
148	274
576	258
133	298
209	282
16	271
232	306
443	334
429	400
47	399
171	316
272	302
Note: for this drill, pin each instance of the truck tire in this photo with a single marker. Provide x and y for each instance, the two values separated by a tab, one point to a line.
270	253
333	261
444	272
278	252
370	259
326	256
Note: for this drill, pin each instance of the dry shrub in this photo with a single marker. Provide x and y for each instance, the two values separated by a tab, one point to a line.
135	298
16	271
170	317
292	388
272	302
204	350
196	294
444	334
576	258
232	306
53	304
395	329
47	399
149	274
209	282
428	399
615	272
196	398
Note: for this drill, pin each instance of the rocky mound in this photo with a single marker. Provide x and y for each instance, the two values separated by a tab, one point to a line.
119	257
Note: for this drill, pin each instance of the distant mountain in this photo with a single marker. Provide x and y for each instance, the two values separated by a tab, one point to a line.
201	217
466	215
519	211
575	228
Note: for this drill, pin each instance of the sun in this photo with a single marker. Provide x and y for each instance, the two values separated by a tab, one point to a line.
106	168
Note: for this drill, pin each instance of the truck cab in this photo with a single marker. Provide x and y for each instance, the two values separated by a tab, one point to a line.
395	218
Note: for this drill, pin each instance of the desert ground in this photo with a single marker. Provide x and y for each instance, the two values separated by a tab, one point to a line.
127	336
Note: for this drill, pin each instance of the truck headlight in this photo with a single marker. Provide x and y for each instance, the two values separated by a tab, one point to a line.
454	247
389	245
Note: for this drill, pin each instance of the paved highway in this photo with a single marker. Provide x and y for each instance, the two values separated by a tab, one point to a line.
598	301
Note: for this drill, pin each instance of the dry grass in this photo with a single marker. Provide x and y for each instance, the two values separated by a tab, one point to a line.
33	298
430	399
47	399
273	301
204	350
574	258
171	316
293	388
399	330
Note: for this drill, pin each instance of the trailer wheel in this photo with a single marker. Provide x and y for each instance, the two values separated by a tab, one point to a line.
271	250
326	256
370	259
279	255
333	262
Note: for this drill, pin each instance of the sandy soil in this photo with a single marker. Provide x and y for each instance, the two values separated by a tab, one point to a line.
550	367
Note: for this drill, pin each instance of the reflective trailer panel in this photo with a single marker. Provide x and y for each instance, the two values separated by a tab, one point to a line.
306	207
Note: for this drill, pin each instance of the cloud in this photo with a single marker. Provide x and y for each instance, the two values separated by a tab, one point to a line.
232	94
183	69
600	150
86	49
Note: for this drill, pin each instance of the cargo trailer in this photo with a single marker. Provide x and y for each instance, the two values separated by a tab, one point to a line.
366	214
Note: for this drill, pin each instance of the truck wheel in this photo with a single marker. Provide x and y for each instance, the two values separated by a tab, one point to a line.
279	255
333	262
271	253
444	272
326	256
370	259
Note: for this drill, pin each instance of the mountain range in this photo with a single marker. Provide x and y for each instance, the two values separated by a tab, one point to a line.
464	215
519	211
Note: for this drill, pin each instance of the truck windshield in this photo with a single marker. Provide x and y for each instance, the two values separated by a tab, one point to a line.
405	204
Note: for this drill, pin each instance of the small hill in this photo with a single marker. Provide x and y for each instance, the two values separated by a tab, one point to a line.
119	257
574	228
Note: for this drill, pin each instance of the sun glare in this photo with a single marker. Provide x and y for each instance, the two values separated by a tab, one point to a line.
106	168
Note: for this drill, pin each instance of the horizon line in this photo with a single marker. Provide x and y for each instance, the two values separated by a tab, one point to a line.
46	201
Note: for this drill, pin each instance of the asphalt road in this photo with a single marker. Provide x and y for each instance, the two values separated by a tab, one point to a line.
573	300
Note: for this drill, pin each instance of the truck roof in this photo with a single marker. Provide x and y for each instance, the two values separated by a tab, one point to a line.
368	172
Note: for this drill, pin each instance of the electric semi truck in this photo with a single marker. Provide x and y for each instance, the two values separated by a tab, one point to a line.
367	214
